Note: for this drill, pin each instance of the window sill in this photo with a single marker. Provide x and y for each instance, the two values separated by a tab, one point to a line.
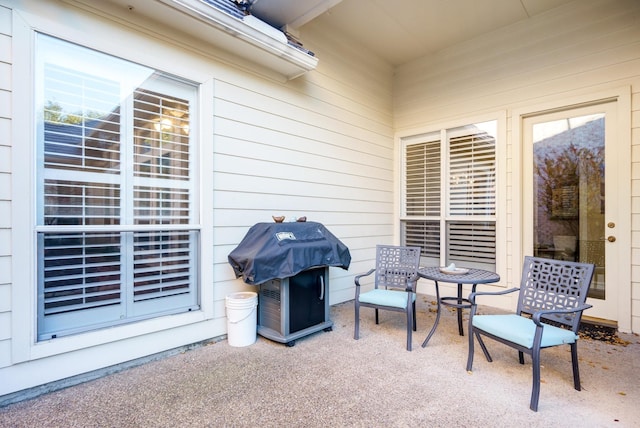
52	347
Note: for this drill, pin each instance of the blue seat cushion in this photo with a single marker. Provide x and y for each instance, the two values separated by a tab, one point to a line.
521	330
391	298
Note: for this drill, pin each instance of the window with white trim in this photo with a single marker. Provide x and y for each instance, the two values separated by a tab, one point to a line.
117	216
449	195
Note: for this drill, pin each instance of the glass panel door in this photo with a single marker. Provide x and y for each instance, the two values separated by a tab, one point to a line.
570	178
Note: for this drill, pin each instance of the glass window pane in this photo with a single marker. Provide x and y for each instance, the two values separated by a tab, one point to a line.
422	172
162	126
472	171
81	203
80	271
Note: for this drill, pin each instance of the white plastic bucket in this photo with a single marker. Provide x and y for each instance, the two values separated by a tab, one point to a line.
242	318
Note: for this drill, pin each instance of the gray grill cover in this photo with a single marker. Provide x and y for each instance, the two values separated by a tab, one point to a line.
281	250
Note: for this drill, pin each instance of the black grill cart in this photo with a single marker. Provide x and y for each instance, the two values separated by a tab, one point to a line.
289	262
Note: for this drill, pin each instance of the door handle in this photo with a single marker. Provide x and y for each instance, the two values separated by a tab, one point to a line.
321	287
611	239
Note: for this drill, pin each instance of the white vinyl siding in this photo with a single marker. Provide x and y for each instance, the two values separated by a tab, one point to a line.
117	235
450	207
321	146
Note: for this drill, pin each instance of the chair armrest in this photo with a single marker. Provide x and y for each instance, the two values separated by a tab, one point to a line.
472	296
536	316
412	282
357	278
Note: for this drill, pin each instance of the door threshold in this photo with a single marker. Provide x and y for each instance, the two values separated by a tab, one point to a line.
593	321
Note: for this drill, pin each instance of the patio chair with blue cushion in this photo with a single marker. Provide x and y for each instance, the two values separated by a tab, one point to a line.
396	276
550	305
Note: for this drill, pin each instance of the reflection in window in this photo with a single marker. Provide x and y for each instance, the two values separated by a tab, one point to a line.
161	129
568	192
81	121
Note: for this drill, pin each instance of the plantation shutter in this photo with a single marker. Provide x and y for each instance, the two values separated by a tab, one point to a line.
472	196
472	172
163	260
422	195
471	242
423	188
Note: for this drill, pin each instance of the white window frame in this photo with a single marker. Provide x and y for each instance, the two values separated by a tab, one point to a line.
440	130
25	346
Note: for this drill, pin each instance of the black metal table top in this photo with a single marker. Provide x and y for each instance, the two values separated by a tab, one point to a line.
474	276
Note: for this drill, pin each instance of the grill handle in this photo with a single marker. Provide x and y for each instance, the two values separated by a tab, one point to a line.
321	287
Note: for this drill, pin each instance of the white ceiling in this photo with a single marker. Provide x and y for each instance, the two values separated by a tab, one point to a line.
401	31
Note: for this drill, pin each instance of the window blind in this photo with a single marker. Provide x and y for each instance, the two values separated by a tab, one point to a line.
80	271
161	128
81	121
163	264
472	171
471	242
81	203
424	234
422	184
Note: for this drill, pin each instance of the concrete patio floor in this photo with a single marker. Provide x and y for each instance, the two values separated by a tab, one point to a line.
328	379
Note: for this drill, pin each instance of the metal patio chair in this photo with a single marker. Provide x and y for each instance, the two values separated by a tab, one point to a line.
550	305
396	276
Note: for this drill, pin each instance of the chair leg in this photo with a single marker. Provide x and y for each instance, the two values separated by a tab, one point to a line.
485	351
415	322
356	333
410	324
377	321
574	363
471	344
535	390
521	357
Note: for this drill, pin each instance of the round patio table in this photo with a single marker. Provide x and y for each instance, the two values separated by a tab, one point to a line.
473	277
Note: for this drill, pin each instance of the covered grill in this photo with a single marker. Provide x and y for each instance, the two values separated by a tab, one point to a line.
290	264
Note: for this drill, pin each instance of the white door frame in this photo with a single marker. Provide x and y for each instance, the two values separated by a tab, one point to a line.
522	201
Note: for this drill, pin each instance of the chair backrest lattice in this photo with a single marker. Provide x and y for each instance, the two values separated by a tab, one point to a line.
554	284
396	265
